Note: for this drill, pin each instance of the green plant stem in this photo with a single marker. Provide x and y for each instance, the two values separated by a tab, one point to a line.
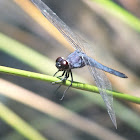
44	65
76	85
20	125
121	13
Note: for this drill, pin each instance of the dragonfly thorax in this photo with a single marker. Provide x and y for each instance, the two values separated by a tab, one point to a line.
62	64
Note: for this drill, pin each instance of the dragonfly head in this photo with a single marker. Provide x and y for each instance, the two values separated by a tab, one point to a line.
62	64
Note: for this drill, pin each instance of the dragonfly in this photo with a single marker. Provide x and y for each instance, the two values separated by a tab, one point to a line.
79	59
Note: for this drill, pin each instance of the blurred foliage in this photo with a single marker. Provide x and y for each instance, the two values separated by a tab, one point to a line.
113	27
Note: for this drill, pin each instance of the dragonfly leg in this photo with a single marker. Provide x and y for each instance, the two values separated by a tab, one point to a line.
59	77
69	85
62	74
56	72
57	89
66	76
63	79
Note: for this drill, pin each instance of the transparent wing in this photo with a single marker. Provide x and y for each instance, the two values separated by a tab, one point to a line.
101	81
59	24
104	84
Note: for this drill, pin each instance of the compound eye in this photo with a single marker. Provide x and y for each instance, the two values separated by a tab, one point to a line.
59	59
65	64
61	63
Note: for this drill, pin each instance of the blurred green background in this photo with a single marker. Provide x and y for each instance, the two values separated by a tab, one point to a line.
111	27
